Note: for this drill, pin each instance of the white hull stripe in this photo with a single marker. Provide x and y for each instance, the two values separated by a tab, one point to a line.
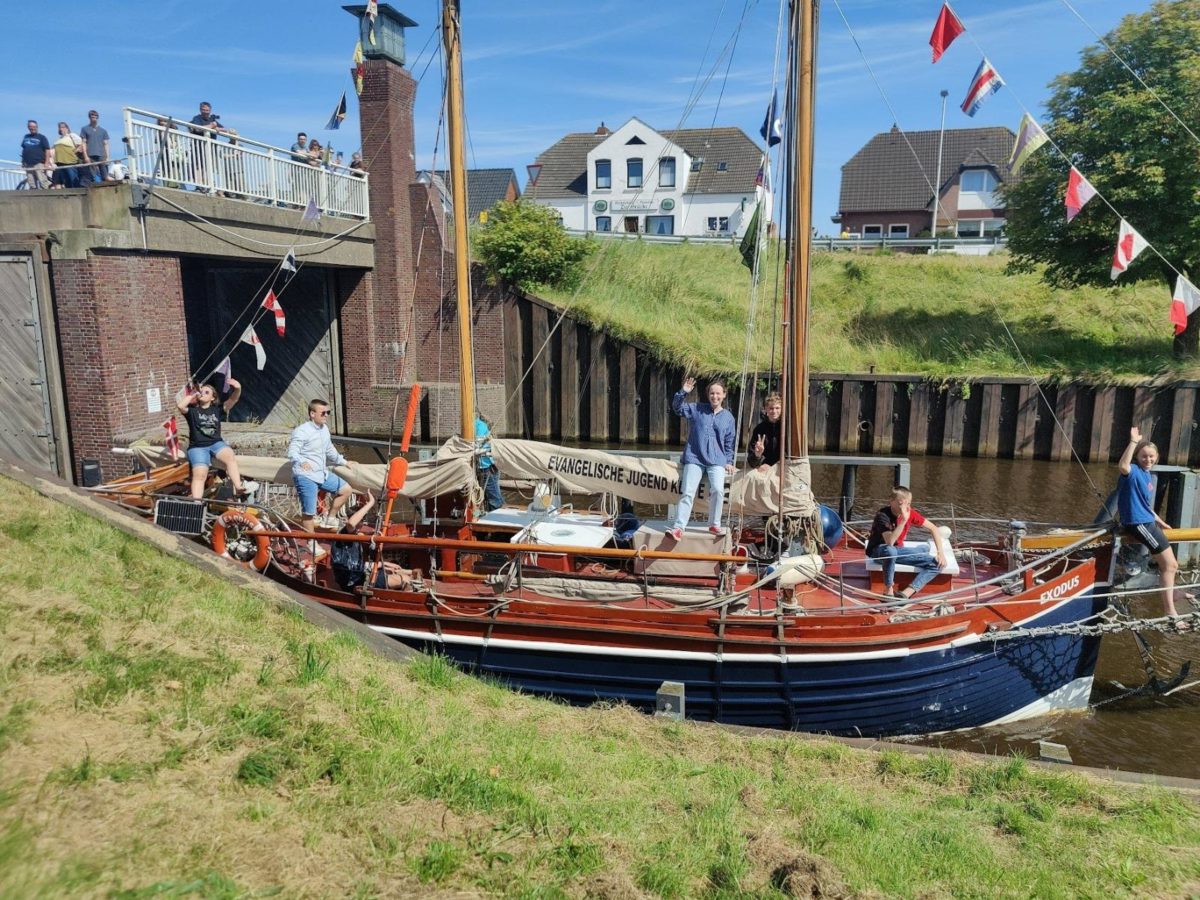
701	656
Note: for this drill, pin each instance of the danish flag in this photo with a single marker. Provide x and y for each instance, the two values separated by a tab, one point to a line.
271	302
1129	245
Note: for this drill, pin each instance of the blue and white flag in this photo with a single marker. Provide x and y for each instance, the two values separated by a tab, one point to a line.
772	126
985	83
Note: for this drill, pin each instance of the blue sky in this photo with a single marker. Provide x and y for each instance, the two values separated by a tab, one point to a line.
535	70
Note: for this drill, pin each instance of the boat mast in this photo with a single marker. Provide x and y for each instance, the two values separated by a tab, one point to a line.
451	37
802	94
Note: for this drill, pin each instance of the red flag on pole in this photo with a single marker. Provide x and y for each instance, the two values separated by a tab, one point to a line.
947	28
1079	192
1184	301
272	303
171	427
1129	245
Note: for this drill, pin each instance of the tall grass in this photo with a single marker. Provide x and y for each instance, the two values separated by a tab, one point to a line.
164	734
940	316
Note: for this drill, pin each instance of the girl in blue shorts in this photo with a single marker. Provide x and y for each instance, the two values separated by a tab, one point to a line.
204	414
1135	502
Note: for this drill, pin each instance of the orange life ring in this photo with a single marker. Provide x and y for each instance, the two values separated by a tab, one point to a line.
242	522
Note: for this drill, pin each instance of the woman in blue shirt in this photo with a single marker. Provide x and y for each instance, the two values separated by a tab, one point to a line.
1135	502
709	451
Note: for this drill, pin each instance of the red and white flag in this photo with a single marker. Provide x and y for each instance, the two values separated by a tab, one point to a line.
1184	301
945	30
1129	245
271	302
171	427
249	337
1079	192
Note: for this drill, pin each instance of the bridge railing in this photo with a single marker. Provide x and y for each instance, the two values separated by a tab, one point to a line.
173	153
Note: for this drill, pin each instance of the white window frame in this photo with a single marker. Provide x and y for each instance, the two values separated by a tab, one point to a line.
990	182
872	231
599	186
641	176
662	169
902	234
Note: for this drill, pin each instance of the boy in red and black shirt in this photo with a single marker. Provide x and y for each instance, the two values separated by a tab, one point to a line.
886	543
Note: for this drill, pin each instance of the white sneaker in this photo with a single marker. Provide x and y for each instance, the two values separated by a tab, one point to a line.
332	522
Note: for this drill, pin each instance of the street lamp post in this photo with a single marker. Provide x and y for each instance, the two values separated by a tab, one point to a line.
937	176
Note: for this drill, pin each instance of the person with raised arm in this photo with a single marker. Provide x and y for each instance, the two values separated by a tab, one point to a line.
765	440
1135	504
350	568
204	414
708	452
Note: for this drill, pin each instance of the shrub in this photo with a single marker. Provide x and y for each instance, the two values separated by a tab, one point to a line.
525	245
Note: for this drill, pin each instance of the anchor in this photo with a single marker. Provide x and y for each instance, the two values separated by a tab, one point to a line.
1154	685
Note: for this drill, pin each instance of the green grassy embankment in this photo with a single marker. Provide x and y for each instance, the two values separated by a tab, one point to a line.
163	733
939	316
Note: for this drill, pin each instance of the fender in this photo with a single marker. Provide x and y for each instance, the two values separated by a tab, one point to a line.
243	522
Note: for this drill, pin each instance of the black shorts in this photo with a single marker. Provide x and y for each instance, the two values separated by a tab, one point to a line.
1148	533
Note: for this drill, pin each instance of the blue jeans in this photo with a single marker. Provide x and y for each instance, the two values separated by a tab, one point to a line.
687	493
492	498
307	489
918	557
203	456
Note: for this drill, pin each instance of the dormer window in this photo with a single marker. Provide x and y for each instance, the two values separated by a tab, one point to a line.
722	166
980	181
697	163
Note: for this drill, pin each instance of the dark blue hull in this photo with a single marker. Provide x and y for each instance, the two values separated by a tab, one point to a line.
866	694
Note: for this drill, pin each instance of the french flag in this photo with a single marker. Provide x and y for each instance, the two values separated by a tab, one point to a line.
985	83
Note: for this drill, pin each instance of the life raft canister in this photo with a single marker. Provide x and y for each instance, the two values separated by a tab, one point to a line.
241	523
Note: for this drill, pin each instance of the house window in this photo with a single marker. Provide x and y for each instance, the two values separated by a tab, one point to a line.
872	231
660	224
604	223
977	181
993	228
603	174
631	224
696	164
666	172
633	173
898	231
968	228
718	223
722	166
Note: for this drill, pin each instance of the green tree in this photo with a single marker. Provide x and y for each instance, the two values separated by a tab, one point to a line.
1131	149
524	245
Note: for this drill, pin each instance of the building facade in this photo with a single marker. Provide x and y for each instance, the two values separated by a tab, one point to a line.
886	186
694	182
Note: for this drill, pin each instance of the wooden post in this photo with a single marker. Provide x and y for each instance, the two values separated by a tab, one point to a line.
568	379
659	398
1062	442
956	411
1102	424
1027	409
918	420
628	394
540	374
598	389
851	407
881	430
989	419
514	413
1183	423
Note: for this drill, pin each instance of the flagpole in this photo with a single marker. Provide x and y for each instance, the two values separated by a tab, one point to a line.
937	177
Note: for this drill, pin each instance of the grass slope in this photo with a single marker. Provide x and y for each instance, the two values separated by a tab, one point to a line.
942	316
164	734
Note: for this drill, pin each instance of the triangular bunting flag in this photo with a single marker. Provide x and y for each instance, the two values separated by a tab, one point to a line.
945	30
225	370
985	82
1184	301
772	126
289	264
1029	137
171	427
312	212
339	113
1079	192
271	302
249	337
1129	245
358	70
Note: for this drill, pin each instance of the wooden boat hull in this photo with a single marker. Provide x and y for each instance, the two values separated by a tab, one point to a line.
829	676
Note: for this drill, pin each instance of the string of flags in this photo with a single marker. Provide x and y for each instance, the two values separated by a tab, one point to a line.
271	303
1185	299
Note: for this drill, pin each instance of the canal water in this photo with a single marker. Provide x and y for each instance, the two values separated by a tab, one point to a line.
1142	734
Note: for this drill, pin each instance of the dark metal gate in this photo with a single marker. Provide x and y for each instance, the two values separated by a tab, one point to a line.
26	429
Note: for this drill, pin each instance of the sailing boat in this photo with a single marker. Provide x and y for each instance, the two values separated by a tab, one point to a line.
540	599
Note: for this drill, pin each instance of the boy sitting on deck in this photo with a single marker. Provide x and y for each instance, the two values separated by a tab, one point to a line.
886	543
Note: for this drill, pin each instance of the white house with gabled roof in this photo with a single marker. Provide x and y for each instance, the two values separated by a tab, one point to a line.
689	181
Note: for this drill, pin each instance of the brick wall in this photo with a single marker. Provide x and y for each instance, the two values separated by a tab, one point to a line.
121	331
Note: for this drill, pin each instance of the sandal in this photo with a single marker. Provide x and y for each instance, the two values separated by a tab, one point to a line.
1181	625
